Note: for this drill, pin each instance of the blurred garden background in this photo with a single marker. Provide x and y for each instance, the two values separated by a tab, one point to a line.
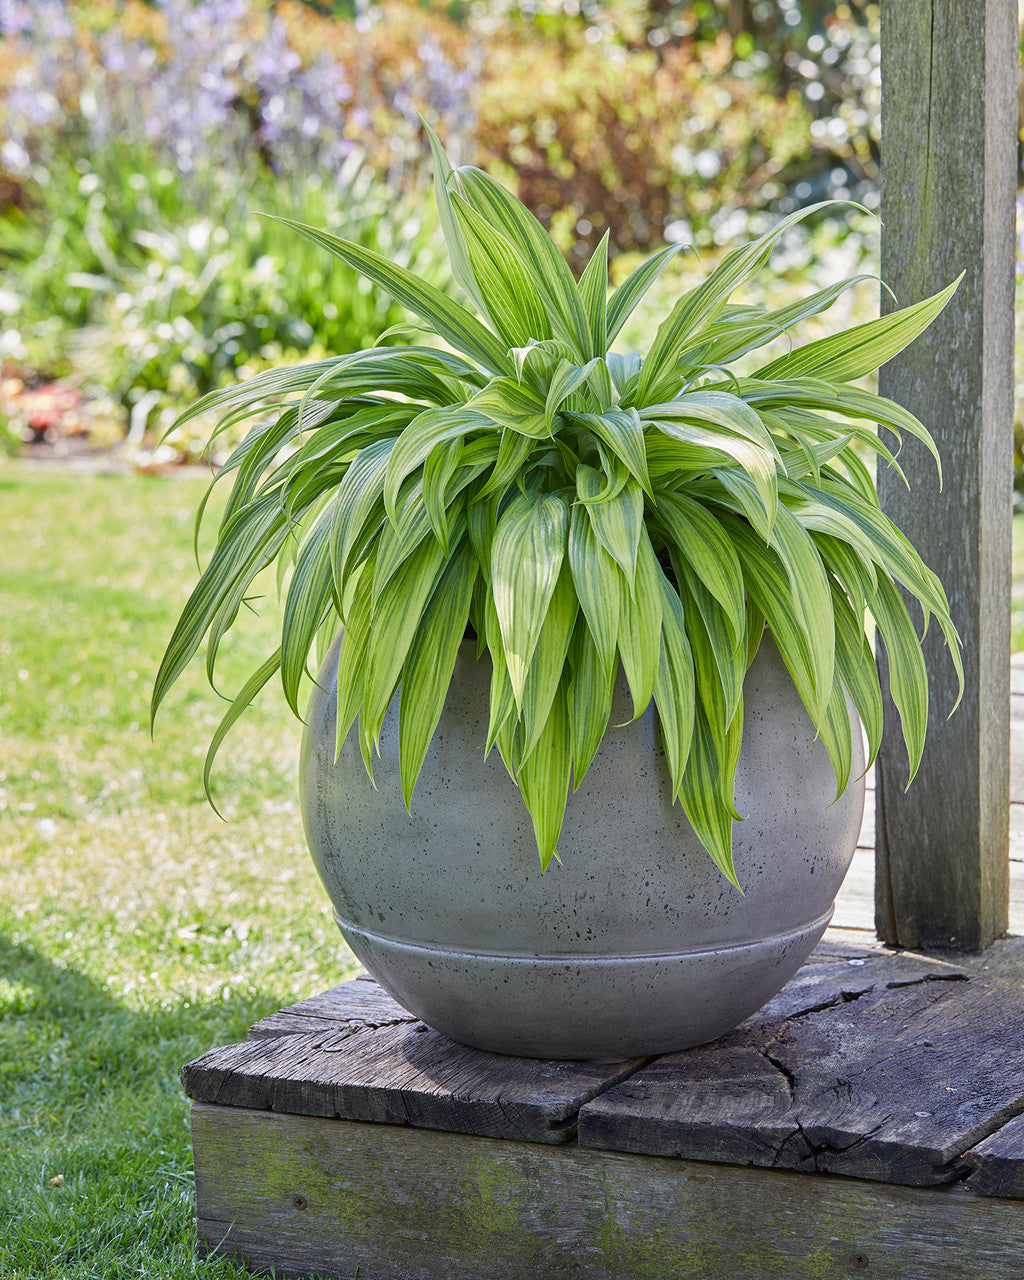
141	141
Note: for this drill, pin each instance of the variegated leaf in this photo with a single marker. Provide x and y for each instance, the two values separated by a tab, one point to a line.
617	521
428	668
599	586
526	557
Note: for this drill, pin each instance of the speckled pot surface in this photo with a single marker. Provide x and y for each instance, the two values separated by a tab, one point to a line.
636	943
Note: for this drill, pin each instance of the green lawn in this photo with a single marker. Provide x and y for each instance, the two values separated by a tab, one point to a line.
136	928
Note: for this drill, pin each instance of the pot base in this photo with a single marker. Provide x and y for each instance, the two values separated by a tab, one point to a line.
584	1007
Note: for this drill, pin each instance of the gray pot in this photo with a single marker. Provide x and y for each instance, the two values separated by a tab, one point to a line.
636	943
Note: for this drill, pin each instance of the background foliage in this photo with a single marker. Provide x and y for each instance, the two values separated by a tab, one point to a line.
139	141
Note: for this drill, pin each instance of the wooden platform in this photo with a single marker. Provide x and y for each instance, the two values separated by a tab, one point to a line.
869	1121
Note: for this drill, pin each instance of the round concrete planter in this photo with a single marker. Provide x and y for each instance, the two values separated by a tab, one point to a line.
636	943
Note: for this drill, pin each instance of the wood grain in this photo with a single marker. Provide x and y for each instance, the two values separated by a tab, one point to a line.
359	1003
892	1080
396	1072
949	122
316	1195
998	1162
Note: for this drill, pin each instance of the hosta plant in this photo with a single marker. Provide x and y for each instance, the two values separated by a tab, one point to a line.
575	508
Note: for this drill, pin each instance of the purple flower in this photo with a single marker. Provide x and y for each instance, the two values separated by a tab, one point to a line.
15	18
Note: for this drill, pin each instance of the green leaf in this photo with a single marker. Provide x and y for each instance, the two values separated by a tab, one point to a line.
541	256
508	404
544	780
458	254
699	539
810	607
249	543
593	292
899	559
548	662
855	667
753	477
718	665
702	305
674	685
514	451
537	360
357	503
567	378
768	586
394	624
623	367
835	732
857	403
239	704
812	601
640	627
514	305
452	322
526	557
352	655
749	328
428	668
310	597
439	470
418	440
706	798
908	679
621	431
481	519
617	521
599	586
626	297
589	700
717	409
396	542
842	357
502	699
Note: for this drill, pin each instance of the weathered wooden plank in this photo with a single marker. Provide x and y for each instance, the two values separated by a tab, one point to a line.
855	902
949	124
359	1003
998	1162
309	1195
401	1073
888	1083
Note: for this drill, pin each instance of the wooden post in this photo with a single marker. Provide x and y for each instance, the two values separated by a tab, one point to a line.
949	125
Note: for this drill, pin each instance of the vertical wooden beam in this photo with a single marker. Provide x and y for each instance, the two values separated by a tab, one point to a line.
949	125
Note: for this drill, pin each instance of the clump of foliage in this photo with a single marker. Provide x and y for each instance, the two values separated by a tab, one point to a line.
579	509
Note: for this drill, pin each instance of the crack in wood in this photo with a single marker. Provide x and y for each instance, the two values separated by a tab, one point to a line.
781	1067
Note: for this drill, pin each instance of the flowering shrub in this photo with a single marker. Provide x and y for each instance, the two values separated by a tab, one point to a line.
643	145
146	145
402	60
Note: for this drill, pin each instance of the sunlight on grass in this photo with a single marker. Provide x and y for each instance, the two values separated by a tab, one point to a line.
137	928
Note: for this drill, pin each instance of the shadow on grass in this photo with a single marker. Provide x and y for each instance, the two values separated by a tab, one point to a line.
95	1168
